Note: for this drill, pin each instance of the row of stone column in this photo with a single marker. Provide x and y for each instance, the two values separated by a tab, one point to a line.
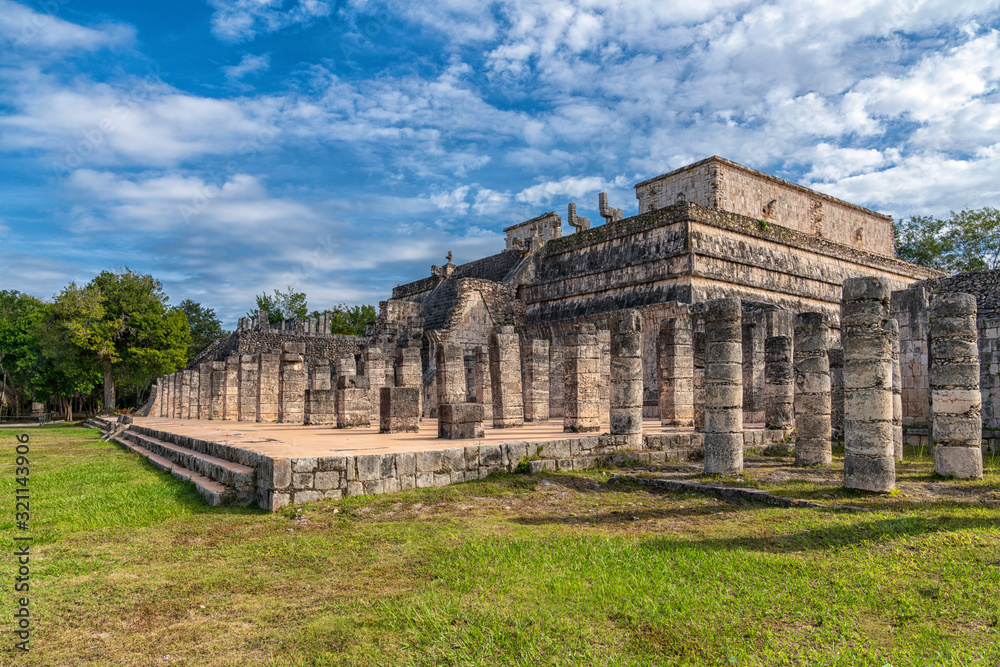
276	387
511	393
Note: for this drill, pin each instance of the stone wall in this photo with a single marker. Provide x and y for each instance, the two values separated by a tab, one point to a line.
719	183
911	308
281	482
317	345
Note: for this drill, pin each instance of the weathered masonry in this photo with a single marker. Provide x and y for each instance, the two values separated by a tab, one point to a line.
719	305
714	229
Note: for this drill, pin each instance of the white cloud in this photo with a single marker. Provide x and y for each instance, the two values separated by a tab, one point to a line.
234	206
926	184
940	84
830	163
27	31
242	20
490	202
140	120
250	64
574	187
453	201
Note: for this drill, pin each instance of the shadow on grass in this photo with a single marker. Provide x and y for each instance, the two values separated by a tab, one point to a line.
872	531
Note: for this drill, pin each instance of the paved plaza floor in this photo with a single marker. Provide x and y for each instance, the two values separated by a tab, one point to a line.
296	440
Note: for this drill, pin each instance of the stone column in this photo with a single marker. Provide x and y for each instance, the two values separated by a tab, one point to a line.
675	365
892	326
321	406
779	388
248	388
205	390
812	390
956	402
175	395
232	406
292	384
375	372
557	380
536	381
869	460
196	393
836	356
319	401
753	373
698	355
626	376
408	368
449	374
320	376
179	398
218	404
157	410
723	387
604	388
505	374
165	401
353	406
183	394
460	421
343	367
268	373
400	408
167	398
483	384
897	391
583	375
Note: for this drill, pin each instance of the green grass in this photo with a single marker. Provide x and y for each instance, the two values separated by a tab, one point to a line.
129	566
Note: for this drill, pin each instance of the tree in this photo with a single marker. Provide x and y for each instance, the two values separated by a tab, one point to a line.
67	371
121	322
966	241
350	320
281	306
19	353
203	325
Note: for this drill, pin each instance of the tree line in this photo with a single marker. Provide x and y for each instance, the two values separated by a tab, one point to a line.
100	346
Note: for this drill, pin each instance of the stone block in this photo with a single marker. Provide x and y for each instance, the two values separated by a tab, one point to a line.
461	431
460	413
400	408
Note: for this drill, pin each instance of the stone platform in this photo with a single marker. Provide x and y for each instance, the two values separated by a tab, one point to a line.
274	465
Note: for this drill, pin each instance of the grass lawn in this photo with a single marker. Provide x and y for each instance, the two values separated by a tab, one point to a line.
129	567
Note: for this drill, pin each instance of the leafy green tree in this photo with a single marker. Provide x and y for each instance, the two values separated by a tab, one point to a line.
349	320
67	372
19	352
281	306
204	326
120	320
966	241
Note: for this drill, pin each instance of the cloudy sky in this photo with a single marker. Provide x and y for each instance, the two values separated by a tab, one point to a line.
230	147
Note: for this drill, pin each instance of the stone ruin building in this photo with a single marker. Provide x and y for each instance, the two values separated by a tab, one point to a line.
615	322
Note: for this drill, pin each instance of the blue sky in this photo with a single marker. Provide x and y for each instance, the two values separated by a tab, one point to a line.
230	147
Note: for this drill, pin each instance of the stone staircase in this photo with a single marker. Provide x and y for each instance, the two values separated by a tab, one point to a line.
218	480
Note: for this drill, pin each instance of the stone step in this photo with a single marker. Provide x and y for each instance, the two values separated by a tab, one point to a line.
228	473
214	493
